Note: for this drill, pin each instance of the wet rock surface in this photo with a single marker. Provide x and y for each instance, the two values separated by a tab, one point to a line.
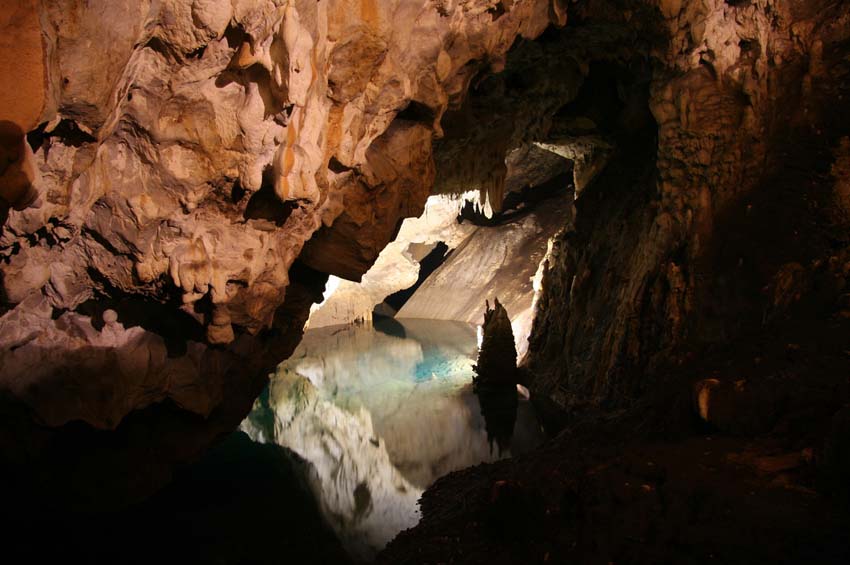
378	414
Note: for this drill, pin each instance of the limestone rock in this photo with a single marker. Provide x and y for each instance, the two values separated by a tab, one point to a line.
347	469
498	260
494	261
187	164
497	357
676	241
396	268
21	60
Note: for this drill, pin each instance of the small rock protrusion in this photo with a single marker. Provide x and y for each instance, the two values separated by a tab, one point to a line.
110	317
220	330
735	406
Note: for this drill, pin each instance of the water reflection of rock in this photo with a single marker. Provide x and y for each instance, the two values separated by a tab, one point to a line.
379	416
499	410
364	497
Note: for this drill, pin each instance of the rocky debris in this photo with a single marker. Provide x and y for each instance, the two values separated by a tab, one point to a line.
514	511
648	503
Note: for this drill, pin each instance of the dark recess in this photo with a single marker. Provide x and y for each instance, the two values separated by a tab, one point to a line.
223	509
163	318
417	112
336	167
237	193
265	205
427	265
67	131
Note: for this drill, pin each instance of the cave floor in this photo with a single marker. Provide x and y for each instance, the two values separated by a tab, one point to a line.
704	499
654	484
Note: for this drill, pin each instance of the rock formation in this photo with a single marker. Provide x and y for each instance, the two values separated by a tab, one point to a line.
362	495
21	57
693	320
185	156
497	358
501	261
395	268
191	171
503	257
670	249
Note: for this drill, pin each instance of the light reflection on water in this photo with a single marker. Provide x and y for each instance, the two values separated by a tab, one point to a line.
378	415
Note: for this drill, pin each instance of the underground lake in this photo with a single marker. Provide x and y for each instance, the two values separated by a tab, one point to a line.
377	413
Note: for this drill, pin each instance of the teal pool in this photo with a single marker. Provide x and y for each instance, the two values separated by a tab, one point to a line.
377	414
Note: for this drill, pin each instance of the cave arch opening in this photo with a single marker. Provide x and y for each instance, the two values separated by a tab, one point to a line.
401	319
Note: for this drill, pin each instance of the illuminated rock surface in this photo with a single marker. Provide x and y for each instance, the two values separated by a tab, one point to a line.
378	417
498	261
185	156
395	269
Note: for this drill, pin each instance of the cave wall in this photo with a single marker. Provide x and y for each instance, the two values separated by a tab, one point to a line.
395	269
515	250
188	163
187	153
715	221
184	153
21	57
498	262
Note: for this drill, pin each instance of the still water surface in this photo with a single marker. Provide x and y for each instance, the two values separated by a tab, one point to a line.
378	414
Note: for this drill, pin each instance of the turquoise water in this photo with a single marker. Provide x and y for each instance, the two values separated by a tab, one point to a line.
378	414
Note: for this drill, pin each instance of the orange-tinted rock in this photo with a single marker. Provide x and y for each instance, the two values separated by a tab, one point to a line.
189	149
394	184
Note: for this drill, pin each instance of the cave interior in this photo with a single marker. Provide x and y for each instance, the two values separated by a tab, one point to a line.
467	281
